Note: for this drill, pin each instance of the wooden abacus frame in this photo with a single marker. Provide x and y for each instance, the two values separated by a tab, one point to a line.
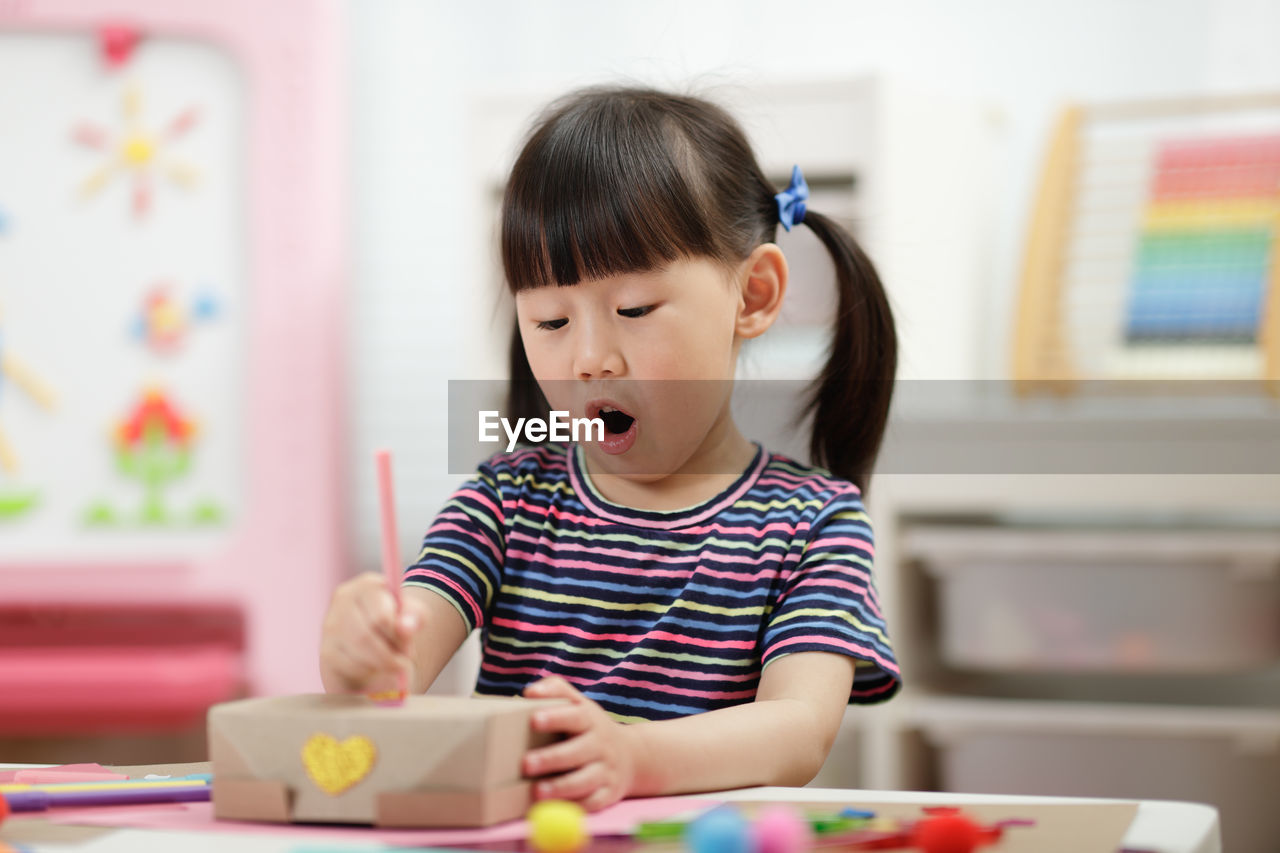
1039	352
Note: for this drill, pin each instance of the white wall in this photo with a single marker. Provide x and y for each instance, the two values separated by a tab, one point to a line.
419	67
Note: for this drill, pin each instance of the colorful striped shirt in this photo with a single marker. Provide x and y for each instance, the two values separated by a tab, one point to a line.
653	614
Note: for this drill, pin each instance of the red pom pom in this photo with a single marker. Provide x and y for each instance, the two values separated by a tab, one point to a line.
4	808
947	833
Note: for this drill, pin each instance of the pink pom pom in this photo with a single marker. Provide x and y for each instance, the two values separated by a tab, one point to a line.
779	829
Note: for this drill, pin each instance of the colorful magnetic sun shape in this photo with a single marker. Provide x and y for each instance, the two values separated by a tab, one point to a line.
138	151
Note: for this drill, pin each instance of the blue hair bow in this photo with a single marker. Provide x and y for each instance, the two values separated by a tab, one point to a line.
791	200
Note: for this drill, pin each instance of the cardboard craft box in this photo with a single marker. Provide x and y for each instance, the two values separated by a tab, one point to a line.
435	761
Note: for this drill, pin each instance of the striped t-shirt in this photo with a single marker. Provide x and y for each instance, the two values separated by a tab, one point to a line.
655	614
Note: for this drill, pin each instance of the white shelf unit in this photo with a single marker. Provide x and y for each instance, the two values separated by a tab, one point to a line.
1087	597
1204	736
1228	757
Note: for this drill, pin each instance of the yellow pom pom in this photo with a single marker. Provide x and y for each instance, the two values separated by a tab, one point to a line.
557	826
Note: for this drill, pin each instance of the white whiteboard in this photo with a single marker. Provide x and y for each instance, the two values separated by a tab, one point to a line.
75	270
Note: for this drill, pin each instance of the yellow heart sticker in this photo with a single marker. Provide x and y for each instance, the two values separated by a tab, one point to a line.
337	765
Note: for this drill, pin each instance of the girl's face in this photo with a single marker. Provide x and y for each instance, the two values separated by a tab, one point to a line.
658	346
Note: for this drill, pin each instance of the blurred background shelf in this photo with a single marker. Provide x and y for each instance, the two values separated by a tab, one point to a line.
1228	757
1036	703
1016	599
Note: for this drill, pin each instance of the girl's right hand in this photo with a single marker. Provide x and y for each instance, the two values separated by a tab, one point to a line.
364	646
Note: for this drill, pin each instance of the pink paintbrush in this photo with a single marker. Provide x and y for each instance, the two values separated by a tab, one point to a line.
390	563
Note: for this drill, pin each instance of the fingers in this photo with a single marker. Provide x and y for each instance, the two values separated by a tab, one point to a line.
350	669
594	786
366	657
553	687
363	639
371	641
562	756
594	765
602	797
375	604
570	719
573	786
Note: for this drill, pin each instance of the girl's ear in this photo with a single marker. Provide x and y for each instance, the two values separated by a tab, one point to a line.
763	283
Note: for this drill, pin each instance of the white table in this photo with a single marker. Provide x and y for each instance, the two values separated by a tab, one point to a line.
1160	825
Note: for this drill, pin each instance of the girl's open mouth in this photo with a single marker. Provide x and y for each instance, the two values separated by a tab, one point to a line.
619	426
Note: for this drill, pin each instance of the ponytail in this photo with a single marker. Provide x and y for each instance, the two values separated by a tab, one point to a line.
849	400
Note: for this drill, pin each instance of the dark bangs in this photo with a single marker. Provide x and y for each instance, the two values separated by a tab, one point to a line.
610	182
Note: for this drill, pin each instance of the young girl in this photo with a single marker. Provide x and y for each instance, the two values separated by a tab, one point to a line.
706	606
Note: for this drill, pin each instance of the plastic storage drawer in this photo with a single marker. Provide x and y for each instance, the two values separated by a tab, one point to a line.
1105	602
1237	771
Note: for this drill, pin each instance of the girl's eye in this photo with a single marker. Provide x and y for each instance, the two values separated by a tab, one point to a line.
636	312
552	325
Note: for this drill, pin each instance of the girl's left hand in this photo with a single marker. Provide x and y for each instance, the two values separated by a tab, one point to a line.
596	765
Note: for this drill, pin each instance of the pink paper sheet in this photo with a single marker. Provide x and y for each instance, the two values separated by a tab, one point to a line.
65	773
198	817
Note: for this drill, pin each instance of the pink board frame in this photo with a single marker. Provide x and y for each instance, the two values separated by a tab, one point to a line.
289	544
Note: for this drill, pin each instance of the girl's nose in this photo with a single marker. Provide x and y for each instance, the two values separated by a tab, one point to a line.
596	355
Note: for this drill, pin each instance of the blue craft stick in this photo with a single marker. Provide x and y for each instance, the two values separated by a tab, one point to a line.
856	813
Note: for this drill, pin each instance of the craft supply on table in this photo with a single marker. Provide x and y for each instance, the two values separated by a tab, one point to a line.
338	848
785	829
557	826
613	823
40	800
434	761
390	565
58	774
156	777
125	784
720	830
780	829
819	823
